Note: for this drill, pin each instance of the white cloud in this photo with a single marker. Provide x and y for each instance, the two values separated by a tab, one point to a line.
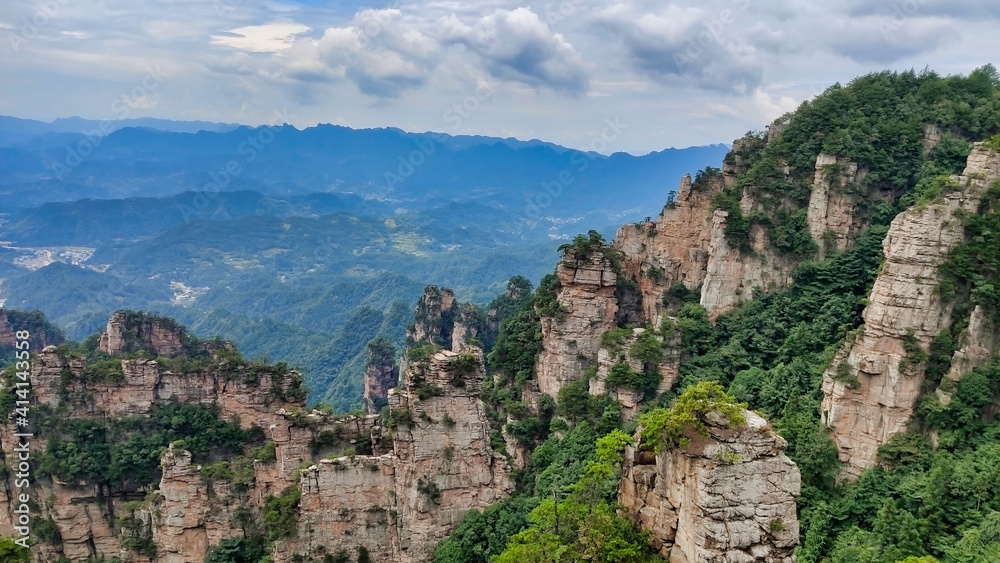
381	52
770	107
272	37
516	45
555	63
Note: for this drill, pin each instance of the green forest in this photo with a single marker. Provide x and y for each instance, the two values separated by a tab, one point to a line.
934	498
924	503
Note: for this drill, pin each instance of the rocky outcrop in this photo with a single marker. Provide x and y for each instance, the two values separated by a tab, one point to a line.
871	388
7	336
441	320
980	341
732	275
468	324
251	393
833	202
730	497
571	337
381	375
394	493
41	333
672	249
398	506
129	332
434	319
630	399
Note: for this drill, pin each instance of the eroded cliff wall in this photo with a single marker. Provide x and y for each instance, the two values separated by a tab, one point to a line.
393	491
872	387
729	497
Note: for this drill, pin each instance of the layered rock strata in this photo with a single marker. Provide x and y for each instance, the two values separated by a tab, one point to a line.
630	399
728	498
395	493
572	337
672	249
832	203
871	389
401	504
130	332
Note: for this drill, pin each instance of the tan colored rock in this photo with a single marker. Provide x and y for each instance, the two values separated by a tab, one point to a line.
433	320
572	338
37	339
128	332
7	336
381	374
979	343
903	302
180	534
629	399
401	504
832	205
733	275
727	498
671	250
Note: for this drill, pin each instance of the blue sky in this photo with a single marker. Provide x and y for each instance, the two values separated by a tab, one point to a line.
672	73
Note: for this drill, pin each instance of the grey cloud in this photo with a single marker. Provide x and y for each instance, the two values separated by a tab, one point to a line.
884	41
379	52
970	10
516	45
686	46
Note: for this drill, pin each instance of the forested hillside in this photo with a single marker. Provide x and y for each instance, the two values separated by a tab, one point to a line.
935	494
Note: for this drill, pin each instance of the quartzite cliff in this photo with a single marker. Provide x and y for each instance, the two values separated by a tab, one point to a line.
393	491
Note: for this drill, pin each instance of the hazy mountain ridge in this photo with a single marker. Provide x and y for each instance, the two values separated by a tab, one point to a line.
250	232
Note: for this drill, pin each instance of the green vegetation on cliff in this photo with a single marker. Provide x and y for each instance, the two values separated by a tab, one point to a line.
935	497
878	121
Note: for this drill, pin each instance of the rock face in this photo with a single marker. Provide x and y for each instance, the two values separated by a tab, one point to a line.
247	394
13	321
630	399
434	319
673	249
572	337
904	311
381	375
981	341
732	275
467	327
832	205
397	498
130	332
729	498
84	513
687	244
400	505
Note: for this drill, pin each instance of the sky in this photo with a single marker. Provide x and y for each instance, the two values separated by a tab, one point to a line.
662	74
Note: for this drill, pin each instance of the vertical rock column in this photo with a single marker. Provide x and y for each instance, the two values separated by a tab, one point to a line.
730	497
573	336
870	391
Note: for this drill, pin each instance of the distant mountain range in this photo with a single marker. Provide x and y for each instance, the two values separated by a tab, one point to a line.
301	245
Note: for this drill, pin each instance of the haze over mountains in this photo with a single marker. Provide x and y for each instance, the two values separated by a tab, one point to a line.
325	235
